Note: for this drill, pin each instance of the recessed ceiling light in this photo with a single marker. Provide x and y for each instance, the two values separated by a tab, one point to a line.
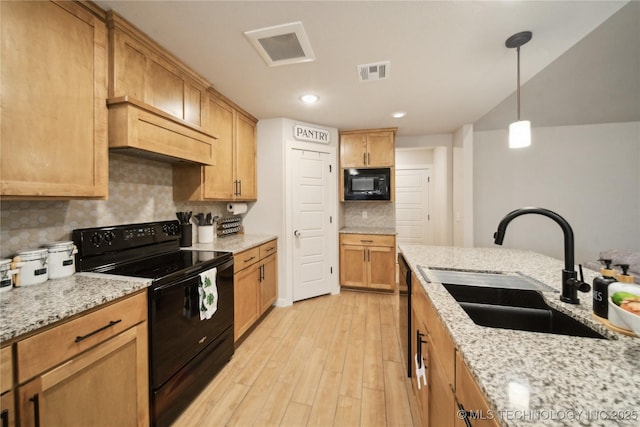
398	114
309	99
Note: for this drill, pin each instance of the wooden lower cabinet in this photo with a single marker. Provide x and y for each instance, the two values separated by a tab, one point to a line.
451	386
469	398
7	409
105	384
368	261
255	284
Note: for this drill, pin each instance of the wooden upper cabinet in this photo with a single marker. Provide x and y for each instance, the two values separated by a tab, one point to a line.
157	105
245	158
53	88
143	70
371	148
234	175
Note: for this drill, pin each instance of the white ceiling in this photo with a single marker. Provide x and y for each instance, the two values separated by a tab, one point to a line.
449	65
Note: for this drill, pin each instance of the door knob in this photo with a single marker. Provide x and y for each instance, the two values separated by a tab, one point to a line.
296	233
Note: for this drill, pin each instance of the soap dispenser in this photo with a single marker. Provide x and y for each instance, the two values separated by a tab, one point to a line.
600	289
625	277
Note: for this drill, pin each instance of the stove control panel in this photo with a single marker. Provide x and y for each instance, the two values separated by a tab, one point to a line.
101	240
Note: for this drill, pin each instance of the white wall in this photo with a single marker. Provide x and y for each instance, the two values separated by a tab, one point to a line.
588	174
462	199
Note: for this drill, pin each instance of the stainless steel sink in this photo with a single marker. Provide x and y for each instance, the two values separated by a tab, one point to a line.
521	309
493	279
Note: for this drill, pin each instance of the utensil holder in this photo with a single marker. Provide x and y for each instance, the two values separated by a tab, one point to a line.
186	237
205	233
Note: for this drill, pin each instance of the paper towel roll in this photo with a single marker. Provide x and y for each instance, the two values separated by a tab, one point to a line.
237	208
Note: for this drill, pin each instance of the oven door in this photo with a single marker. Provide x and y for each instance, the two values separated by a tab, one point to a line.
176	333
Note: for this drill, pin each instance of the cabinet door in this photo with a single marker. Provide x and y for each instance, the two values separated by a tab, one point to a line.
353	150
106	385
353	265
245	158
268	282
246	304
441	398
218	179
381	267
7	409
53	87
380	146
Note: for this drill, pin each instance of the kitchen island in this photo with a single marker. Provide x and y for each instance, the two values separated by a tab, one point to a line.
533	378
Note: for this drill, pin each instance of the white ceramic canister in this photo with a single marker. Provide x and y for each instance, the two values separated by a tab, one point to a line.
61	259
33	267
6	275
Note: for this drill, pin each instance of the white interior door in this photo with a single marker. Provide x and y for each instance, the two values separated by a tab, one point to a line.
311	218
412	206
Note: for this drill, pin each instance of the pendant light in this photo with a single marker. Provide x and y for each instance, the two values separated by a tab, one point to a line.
519	131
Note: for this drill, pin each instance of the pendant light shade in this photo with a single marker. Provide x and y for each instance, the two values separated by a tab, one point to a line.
520	134
519	131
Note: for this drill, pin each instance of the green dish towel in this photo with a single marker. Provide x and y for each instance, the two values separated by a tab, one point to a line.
208	292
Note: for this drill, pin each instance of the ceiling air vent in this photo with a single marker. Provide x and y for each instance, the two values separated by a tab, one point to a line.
375	71
282	44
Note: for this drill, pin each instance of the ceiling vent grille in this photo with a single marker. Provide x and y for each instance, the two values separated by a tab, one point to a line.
375	71
282	44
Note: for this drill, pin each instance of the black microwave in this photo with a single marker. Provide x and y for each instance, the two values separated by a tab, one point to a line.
367	184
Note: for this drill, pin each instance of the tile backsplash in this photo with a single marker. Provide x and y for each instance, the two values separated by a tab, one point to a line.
378	214
140	190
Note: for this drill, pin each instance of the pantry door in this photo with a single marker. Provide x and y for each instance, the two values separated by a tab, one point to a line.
312	223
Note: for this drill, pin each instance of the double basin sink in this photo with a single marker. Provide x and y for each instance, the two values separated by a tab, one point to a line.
507	301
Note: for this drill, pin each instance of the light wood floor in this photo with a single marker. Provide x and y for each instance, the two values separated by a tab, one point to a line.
329	361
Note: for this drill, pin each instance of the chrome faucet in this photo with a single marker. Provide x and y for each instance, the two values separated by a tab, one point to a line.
570	282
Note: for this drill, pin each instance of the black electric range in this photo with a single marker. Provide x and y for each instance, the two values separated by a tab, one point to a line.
186	350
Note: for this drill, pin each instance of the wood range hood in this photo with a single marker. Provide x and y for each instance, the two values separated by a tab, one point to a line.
158	106
138	129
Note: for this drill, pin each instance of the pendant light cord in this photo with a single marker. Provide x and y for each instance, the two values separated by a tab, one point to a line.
518	91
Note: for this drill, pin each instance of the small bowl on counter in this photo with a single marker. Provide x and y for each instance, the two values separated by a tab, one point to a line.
624	319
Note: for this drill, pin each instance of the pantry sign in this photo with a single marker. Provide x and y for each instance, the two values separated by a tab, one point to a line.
310	134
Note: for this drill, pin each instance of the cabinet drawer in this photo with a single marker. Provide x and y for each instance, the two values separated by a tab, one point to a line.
471	397
268	248
245	259
6	369
47	349
367	239
444	349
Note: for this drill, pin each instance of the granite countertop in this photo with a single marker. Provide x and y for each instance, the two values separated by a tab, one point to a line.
369	230
235	243
535	378
28	308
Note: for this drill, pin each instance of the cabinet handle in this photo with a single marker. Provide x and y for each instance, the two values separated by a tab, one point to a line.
366	241
249	259
110	324
36	409
5	418
239	187
419	342
464	414
368	158
262	272
364	158
270	249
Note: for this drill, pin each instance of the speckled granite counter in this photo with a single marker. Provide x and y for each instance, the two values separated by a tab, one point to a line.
28	308
369	230
236	243
537	379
